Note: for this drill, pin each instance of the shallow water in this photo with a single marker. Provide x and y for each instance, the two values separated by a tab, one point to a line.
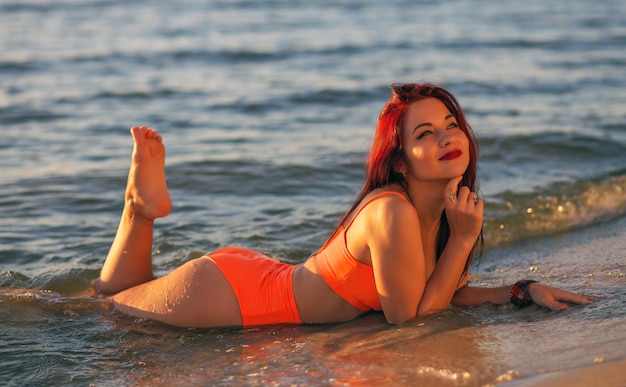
52	339
268	109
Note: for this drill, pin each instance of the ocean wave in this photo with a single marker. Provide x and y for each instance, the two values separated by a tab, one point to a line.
558	145
299	99
21	66
38	6
555	209
23	113
251	178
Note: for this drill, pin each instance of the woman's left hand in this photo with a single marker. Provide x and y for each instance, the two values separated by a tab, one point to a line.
553	298
464	211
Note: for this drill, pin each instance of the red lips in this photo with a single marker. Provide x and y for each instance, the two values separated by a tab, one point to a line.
451	155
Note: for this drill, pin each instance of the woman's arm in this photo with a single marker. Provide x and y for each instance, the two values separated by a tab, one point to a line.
397	256
464	215
398	259
540	294
443	282
467	296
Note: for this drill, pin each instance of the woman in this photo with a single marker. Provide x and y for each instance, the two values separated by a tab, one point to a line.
404	247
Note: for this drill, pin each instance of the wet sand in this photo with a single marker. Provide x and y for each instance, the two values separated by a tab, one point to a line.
604	374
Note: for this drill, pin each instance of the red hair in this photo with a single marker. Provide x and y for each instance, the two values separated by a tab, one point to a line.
386	152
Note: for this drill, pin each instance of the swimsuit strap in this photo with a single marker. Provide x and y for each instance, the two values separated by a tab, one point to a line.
343	229
350	278
380	194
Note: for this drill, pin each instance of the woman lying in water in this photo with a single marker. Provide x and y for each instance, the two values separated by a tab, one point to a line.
404	248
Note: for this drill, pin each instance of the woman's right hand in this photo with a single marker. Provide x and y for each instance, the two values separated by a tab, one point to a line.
555	299
464	211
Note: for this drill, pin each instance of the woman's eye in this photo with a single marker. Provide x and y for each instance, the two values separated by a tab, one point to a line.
453	125
424	134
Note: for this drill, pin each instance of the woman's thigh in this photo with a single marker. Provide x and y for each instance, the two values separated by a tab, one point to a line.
194	295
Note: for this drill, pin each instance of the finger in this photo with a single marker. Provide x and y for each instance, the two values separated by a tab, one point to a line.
557	306
463	194
453	184
473	197
573	298
451	197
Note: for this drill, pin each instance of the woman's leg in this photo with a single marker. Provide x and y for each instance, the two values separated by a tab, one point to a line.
194	295
129	261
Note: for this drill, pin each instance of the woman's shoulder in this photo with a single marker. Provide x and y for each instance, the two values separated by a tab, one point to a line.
381	206
387	201
387	213
390	192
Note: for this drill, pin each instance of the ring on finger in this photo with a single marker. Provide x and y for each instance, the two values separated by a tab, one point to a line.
451	196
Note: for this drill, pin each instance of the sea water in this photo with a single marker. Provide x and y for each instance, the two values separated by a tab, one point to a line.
268	108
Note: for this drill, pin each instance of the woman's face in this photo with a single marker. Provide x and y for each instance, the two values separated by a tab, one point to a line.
434	145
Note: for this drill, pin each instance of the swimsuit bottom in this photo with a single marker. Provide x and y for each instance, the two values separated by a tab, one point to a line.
262	285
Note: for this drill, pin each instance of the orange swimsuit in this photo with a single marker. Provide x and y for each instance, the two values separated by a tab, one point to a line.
351	279
264	286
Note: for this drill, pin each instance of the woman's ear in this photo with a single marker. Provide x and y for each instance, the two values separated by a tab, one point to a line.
400	167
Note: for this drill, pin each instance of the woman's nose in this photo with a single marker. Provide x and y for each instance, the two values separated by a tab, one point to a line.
445	138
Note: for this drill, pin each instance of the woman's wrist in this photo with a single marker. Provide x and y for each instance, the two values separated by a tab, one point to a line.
520	297
463	245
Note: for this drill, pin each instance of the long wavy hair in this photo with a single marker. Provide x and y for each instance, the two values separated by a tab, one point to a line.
387	151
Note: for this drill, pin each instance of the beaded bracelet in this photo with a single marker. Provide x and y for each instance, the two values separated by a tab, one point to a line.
518	293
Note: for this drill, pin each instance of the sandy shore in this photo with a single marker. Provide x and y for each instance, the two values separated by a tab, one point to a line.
606	374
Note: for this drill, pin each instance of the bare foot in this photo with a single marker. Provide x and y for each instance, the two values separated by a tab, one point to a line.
146	190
